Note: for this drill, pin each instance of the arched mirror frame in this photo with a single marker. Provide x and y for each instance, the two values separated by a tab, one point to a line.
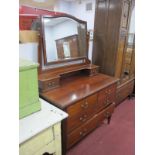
46	63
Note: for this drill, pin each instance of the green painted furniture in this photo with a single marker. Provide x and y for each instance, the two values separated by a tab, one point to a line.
28	88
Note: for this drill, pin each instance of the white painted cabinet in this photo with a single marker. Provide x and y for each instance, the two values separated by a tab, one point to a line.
41	132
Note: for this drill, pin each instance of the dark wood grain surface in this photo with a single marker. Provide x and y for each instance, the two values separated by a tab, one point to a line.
76	88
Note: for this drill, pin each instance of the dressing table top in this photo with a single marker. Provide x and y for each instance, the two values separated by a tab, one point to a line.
76	88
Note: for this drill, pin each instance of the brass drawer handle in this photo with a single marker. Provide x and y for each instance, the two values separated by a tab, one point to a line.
85	105
81	133
81	118
108	101
84	118
51	84
109	91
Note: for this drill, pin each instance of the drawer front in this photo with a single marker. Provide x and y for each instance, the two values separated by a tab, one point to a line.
109	110
48	85
124	91
37	142
102	100
80	132
52	84
80	112
111	93
105	113
106	97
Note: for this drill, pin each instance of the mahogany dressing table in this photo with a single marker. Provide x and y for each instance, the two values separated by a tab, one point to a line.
68	80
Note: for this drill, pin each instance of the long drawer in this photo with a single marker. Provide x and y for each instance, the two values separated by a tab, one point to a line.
106	113
80	112
80	132
91	124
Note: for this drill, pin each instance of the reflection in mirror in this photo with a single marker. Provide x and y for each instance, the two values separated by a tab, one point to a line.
130	46
129	53
66	49
64	39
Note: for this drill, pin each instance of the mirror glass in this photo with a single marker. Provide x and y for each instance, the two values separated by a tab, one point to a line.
64	39
130	48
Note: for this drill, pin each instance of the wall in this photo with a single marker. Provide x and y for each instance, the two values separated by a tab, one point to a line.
74	8
29	51
62	6
78	10
48	4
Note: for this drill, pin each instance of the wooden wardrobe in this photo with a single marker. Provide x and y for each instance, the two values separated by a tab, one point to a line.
112	50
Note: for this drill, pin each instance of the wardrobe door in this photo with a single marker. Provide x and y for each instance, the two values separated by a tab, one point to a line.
106	34
112	36
101	14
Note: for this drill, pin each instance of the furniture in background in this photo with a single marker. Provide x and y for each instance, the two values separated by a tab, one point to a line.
111	50
40	132
67	44
74	84
28	88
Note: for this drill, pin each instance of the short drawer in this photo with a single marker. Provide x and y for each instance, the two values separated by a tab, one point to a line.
80	112
52	84
111	93
102	100
37	142
48	85
106	97
81	132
